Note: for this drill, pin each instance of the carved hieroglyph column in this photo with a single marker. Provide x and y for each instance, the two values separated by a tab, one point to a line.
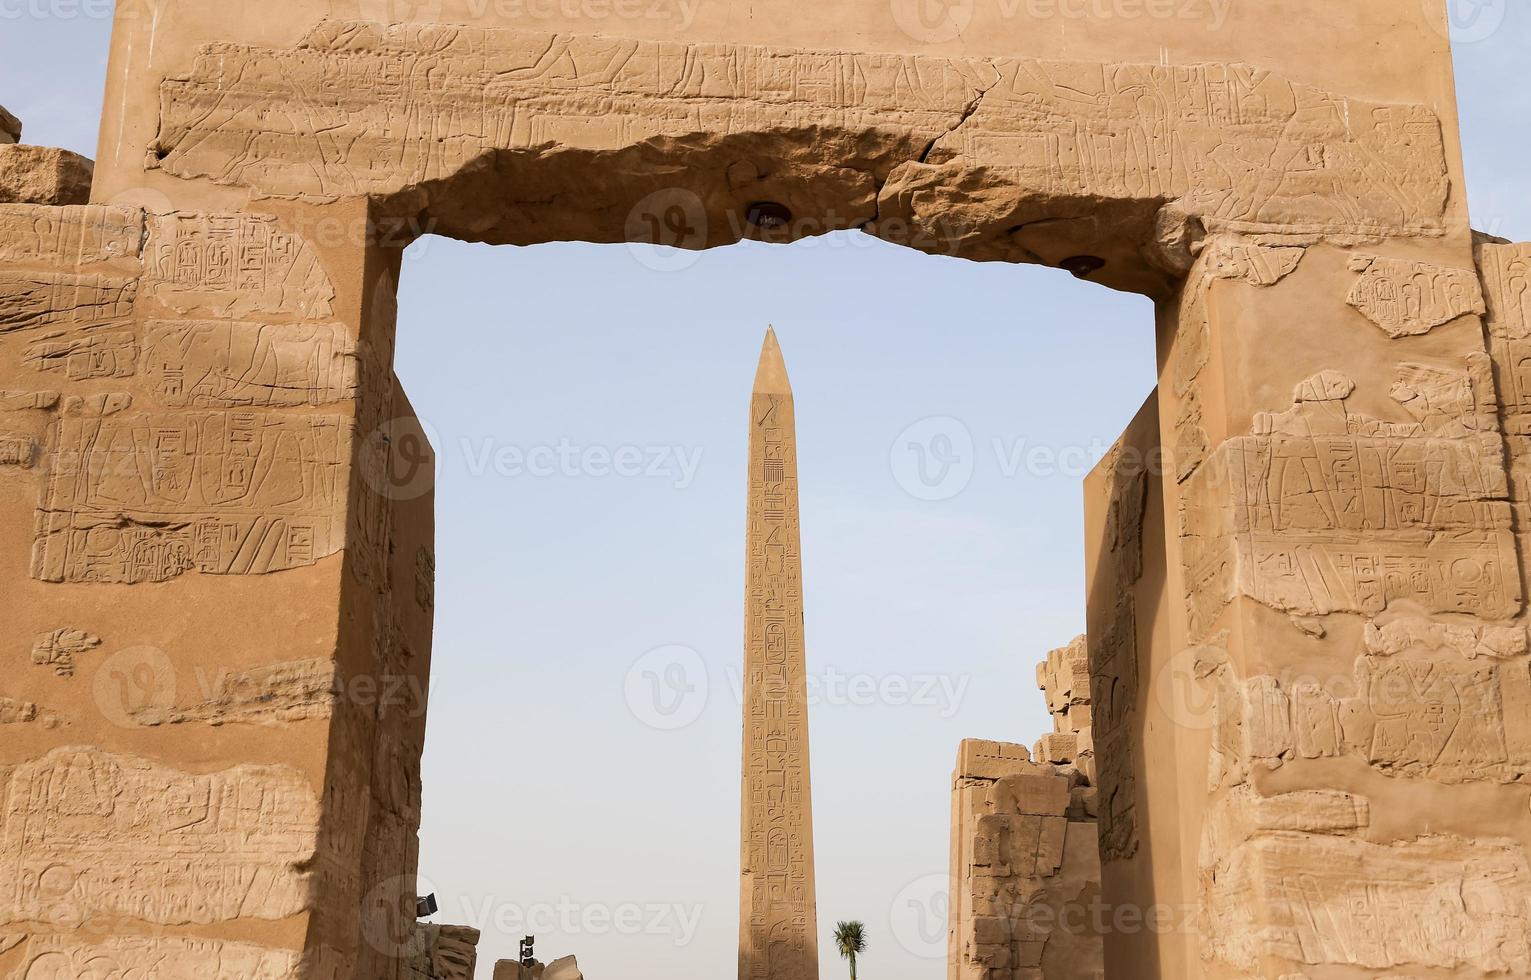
778	921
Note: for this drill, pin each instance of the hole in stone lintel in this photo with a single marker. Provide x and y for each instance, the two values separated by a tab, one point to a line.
768	215
1083	266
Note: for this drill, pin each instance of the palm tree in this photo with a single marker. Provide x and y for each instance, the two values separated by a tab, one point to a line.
851	939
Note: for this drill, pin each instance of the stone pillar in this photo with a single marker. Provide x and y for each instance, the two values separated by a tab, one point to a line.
1130	654
210	751
1351	762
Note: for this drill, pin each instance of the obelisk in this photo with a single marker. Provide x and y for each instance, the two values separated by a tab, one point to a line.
778	917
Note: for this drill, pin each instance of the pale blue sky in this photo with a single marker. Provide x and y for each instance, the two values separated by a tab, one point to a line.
556	784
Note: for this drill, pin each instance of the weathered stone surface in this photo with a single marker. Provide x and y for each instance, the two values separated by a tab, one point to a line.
10	127
1231	145
189	391
1258	265
778	927
204	959
1439	902
40	235
1417	714
566	968
267	695
1025	859
1323	509
17	712
88	833
65	299
43	175
145	498
443	952
59	649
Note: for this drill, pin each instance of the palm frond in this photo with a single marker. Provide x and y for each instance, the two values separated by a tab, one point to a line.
850	938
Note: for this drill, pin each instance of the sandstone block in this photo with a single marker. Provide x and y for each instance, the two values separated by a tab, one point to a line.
1058	747
982	759
43	175
10	127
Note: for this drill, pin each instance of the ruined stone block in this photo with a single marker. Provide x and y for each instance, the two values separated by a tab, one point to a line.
10	127
43	175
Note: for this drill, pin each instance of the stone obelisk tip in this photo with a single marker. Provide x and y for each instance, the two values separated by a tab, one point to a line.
771	376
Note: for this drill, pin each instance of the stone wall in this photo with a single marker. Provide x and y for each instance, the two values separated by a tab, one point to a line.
1304	630
1025	874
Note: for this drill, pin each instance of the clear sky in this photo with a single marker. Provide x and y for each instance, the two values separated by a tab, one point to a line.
589	407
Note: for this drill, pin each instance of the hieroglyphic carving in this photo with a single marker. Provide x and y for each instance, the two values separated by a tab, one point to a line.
778	913
1324	510
64	958
1411	298
1113	646
1243	148
101	355
80	299
1506	272
1258	265
59	648
471	91
1467	640
233	265
208	364
1255	151
17	449
1438	902
145	498
87	833
69	236
14	711
96	406
28	401
1412	713
269	695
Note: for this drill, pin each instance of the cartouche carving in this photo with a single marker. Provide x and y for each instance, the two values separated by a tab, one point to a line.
234	265
1410	298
